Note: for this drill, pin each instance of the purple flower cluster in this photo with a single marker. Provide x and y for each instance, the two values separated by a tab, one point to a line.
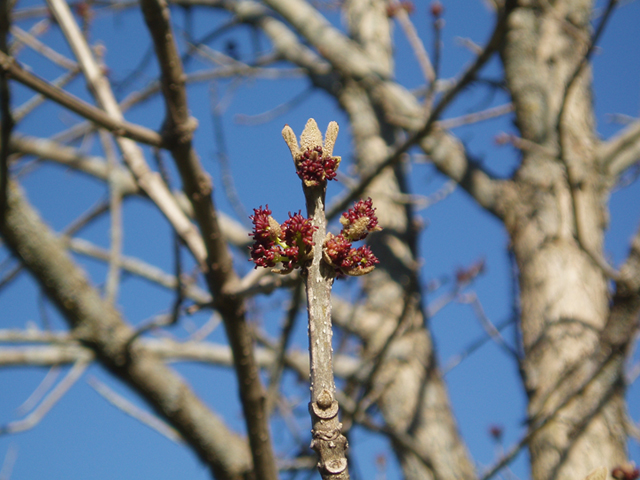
314	168
357	223
289	243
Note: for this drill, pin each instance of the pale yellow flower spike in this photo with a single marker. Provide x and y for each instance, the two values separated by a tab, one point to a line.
311	136
291	141
330	138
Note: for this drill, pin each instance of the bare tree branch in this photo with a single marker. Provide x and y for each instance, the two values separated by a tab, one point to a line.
49	401
220	274
99	325
120	127
149	181
621	151
134	411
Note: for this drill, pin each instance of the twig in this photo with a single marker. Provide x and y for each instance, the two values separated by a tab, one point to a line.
11	276
456	360
177	244
437	25
133	411
49	401
9	461
275	112
379	358
44	386
217	262
415	41
475	117
43	49
120	127
401	438
574	188
27	107
491	330
281	350
580	233
228	184
149	181
36	30
115	209
139	268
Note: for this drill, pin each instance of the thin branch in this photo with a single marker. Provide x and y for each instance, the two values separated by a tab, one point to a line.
456	360
222	156
281	351
40	391
476	117
379	358
275	112
115	209
43	49
49	401
148	180
415	41
9	461
119	127
133	411
487	325
622	151
141	269
217	263
578	69
27	107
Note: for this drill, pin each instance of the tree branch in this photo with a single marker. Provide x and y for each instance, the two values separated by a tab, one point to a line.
9	66
177	131
98	325
622	151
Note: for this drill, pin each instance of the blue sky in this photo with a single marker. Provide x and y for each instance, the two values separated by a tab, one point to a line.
83	437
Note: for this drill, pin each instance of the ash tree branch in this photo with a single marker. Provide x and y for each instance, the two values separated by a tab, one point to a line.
98	325
48	402
97	167
622	151
149	181
53	348
134	411
445	150
219	272
10	66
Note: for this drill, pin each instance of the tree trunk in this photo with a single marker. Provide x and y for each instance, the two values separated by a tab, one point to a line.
556	214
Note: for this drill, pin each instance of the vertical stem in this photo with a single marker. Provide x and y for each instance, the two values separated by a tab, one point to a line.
6	120
328	441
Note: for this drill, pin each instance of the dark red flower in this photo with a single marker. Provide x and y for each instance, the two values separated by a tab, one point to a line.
436	9
347	260
627	471
337	248
496	432
360	220
289	243
314	168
